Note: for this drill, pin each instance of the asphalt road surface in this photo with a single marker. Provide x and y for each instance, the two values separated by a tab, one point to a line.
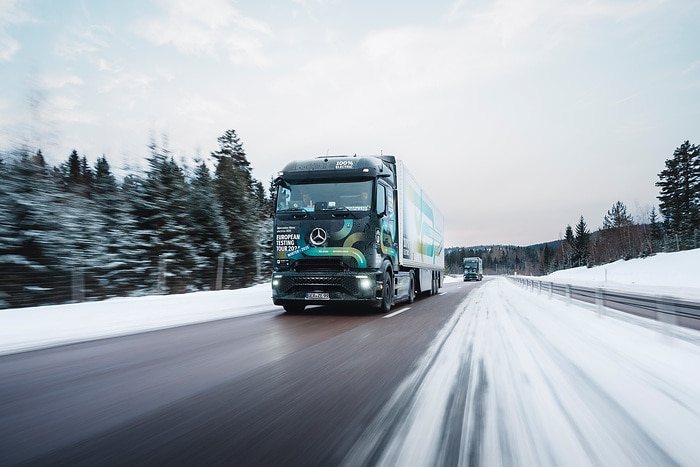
267	389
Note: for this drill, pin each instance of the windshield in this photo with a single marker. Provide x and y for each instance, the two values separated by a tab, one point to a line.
351	196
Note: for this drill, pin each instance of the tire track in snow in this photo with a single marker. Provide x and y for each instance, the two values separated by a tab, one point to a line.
514	379
394	437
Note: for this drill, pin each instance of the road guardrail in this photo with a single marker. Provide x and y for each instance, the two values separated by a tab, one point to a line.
668	309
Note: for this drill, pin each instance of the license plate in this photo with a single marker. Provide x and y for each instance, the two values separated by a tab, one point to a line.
318	296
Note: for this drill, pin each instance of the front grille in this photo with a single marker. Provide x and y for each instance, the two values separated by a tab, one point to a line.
319	265
339	283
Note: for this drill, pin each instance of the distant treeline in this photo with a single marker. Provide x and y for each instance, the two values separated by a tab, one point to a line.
75	231
675	227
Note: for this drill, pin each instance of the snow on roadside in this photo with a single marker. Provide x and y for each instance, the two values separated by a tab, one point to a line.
674	274
23	329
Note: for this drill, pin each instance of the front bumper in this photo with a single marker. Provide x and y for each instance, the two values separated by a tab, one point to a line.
334	287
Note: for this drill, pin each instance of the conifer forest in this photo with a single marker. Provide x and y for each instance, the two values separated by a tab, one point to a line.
78	232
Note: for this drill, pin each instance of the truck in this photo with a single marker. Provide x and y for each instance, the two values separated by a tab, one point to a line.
354	229
473	269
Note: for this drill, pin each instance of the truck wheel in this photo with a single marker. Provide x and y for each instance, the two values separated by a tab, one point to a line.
411	291
387	292
294	309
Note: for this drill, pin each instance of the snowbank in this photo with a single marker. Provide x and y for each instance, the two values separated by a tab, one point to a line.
675	274
33	328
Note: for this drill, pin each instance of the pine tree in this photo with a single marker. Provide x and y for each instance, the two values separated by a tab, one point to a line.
32	261
10	242
655	232
208	231
104	179
73	167
616	233
162	213
545	264
124	257
617	217
568	247
581	241
679	198
235	189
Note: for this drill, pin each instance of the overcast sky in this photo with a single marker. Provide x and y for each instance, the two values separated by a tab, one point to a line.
517	117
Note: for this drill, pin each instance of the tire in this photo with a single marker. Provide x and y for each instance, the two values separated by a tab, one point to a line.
411	291
294	308
387	292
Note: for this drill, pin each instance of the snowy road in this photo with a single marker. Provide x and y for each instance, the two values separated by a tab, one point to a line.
518	379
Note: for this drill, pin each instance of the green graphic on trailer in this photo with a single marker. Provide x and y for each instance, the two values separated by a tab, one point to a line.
422	221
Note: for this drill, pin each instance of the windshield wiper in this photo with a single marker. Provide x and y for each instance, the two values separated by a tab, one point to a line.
344	210
295	212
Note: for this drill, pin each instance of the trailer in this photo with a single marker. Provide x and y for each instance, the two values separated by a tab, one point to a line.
354	229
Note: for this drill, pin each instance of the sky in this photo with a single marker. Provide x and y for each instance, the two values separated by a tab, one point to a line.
517	117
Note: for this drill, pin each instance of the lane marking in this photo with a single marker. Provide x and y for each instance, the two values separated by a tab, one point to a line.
390	315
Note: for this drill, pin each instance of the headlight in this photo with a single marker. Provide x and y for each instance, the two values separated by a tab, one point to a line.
365	282
276	280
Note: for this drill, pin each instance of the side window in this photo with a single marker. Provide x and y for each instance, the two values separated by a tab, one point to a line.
381	199
389	202
283	195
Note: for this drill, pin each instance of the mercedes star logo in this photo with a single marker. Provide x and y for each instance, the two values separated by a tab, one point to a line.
318	236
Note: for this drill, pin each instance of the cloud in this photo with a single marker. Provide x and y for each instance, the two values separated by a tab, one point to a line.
121	80
204	110
8	47
10	14
408	61
691	68
523	20
79	43
66	110
211	27
58	80
117	78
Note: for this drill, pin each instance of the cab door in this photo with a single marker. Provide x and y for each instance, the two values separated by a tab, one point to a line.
386	212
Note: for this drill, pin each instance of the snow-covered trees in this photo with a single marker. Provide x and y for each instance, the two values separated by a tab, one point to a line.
616	234
75	231
679	198
235	188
